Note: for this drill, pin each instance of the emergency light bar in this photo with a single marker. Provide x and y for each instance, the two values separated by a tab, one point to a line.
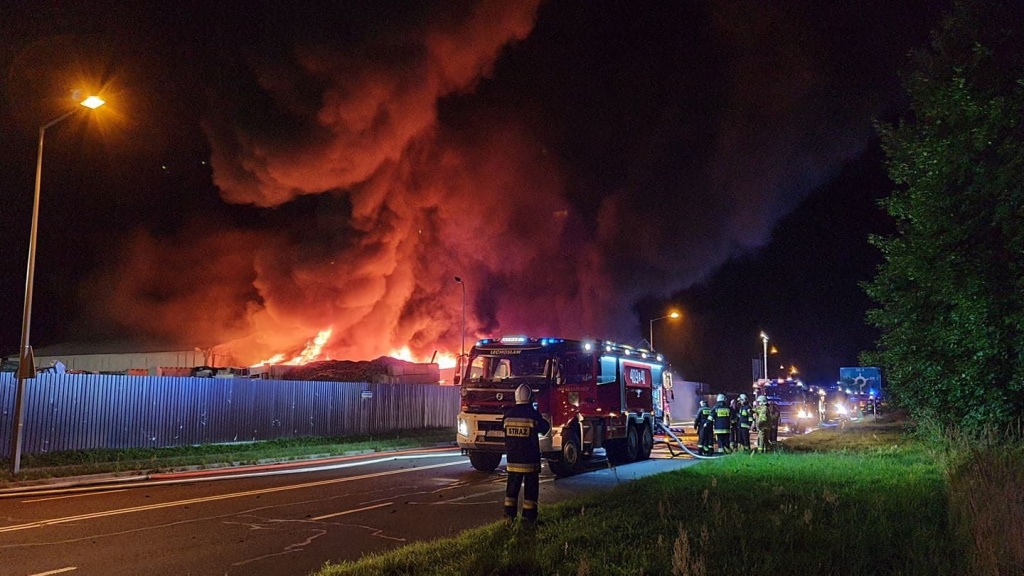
609	347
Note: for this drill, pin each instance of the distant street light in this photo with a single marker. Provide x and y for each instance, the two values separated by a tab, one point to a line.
26	362
651	340
462	354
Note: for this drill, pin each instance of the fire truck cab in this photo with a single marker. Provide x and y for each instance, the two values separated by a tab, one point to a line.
595	394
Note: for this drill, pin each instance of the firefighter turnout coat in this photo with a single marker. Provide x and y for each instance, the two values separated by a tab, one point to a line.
522	448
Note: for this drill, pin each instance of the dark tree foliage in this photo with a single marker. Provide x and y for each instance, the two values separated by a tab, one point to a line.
950	293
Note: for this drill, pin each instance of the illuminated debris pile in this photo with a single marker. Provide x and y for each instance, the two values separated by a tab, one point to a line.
383	370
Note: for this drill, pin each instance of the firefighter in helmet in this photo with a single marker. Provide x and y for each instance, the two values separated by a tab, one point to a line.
522	424
703	425
744	418
761	423
721	415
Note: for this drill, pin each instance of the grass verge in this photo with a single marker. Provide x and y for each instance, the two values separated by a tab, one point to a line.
77	463
866	500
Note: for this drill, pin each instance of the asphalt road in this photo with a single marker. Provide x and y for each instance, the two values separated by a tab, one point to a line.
284	521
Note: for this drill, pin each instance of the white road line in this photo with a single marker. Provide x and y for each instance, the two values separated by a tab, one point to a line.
73	496
229	476
326	516
176	503
58	571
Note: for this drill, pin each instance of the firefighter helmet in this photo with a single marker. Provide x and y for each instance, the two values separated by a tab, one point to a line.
523	394
703	402
762	399
721	398
743	396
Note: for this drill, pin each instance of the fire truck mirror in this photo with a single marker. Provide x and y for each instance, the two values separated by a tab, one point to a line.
456	380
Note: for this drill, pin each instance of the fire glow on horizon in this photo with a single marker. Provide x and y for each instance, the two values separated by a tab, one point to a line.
314	352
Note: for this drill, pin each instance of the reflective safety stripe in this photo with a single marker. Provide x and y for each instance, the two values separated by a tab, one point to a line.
529	504
510	501
523	468
528	422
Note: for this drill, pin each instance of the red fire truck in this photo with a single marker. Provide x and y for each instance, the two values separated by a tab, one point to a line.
595	394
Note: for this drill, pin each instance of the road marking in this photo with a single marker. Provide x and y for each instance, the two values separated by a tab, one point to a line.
72	496
212	475
326	516
58	571
148	507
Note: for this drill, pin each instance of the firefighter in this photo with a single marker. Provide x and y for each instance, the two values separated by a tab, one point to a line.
734	424
522	424
774	418
703	425
744	418
721	414
761	423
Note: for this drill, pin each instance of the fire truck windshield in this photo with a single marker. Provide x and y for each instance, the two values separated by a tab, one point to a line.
490	368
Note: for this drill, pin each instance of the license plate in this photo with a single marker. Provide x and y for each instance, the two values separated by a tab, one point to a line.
495	434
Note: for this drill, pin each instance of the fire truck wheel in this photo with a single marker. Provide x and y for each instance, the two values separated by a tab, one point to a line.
484	461
569	463
646	442
632	445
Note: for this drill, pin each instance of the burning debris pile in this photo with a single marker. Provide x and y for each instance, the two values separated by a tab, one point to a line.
383	370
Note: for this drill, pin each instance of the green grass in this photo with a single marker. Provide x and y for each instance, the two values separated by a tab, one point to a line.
76	463
867	500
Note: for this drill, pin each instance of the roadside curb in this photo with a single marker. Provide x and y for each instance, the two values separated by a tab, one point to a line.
31	486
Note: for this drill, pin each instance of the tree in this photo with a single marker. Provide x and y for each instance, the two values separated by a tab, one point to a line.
950	291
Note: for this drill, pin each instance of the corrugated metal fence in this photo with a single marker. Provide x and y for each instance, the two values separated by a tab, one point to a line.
85	411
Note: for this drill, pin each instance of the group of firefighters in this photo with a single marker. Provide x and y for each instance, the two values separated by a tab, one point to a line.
729	425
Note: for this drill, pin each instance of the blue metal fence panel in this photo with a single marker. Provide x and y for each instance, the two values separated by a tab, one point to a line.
89	411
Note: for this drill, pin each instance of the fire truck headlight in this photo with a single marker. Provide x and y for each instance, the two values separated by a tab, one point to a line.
841	409
463	427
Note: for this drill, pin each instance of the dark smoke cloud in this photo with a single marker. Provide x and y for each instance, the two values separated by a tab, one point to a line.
563	177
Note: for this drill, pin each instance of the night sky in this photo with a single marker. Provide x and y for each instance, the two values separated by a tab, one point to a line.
264	171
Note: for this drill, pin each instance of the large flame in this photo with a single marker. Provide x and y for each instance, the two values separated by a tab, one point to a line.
311	353
314	351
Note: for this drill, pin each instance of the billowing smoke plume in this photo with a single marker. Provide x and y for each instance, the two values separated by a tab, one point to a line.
391	166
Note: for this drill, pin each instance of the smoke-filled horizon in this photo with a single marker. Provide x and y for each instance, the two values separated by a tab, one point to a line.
576	164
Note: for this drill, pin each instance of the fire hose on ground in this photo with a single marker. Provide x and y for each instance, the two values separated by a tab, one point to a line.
663	429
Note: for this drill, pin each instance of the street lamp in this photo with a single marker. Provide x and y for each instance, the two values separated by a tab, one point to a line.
764	340
26	362
462	355
651	340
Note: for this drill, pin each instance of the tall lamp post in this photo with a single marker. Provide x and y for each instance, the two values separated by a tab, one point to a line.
653	320
764	341
26	362
462	354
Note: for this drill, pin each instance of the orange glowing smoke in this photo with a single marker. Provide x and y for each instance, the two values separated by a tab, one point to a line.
368	210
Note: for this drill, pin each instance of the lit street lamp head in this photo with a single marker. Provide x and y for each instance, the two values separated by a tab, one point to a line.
93	102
